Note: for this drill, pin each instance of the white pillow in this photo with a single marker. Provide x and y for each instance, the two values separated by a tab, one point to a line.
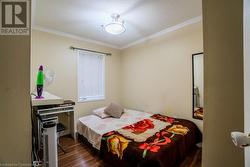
115	110
101	113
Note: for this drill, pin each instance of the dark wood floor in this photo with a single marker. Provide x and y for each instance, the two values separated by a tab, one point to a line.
79	154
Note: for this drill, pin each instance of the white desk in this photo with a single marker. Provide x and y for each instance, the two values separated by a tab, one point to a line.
50	111
67	107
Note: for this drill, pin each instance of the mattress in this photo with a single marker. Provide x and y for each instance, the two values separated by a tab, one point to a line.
93	127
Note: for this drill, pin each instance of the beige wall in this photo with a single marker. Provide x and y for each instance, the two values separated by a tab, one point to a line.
53	52
15	123
224	102
157	74
154	79
15	112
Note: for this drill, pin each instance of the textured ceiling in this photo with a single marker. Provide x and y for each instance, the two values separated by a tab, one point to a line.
83	18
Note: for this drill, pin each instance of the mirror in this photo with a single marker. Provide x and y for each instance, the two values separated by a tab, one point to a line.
198	85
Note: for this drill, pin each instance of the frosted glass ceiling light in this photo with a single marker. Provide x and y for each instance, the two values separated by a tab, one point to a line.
116	27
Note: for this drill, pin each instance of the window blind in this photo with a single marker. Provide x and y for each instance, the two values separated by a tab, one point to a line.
91	70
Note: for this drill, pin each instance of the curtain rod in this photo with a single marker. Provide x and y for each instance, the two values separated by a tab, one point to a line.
75	48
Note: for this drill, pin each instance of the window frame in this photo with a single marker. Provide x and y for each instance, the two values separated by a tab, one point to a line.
96	98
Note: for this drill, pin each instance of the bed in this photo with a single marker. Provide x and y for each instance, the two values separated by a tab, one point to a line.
93	127
140	138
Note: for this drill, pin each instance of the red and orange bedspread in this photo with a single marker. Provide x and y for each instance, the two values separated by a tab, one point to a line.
157	141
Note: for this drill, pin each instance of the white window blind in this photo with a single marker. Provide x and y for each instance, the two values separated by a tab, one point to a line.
91	70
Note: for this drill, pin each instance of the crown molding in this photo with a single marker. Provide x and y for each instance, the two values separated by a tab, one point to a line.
165	31
160	33
64	34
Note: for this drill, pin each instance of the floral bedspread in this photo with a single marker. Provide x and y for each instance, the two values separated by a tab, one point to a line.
157	141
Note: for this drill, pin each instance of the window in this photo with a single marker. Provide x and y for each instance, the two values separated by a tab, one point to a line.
91	70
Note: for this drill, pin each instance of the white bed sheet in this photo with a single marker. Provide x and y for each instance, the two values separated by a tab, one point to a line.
93	127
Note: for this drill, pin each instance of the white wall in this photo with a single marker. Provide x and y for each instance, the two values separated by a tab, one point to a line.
157	74
247	75
53	52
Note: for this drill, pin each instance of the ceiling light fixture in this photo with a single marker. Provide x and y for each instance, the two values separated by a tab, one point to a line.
116	27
